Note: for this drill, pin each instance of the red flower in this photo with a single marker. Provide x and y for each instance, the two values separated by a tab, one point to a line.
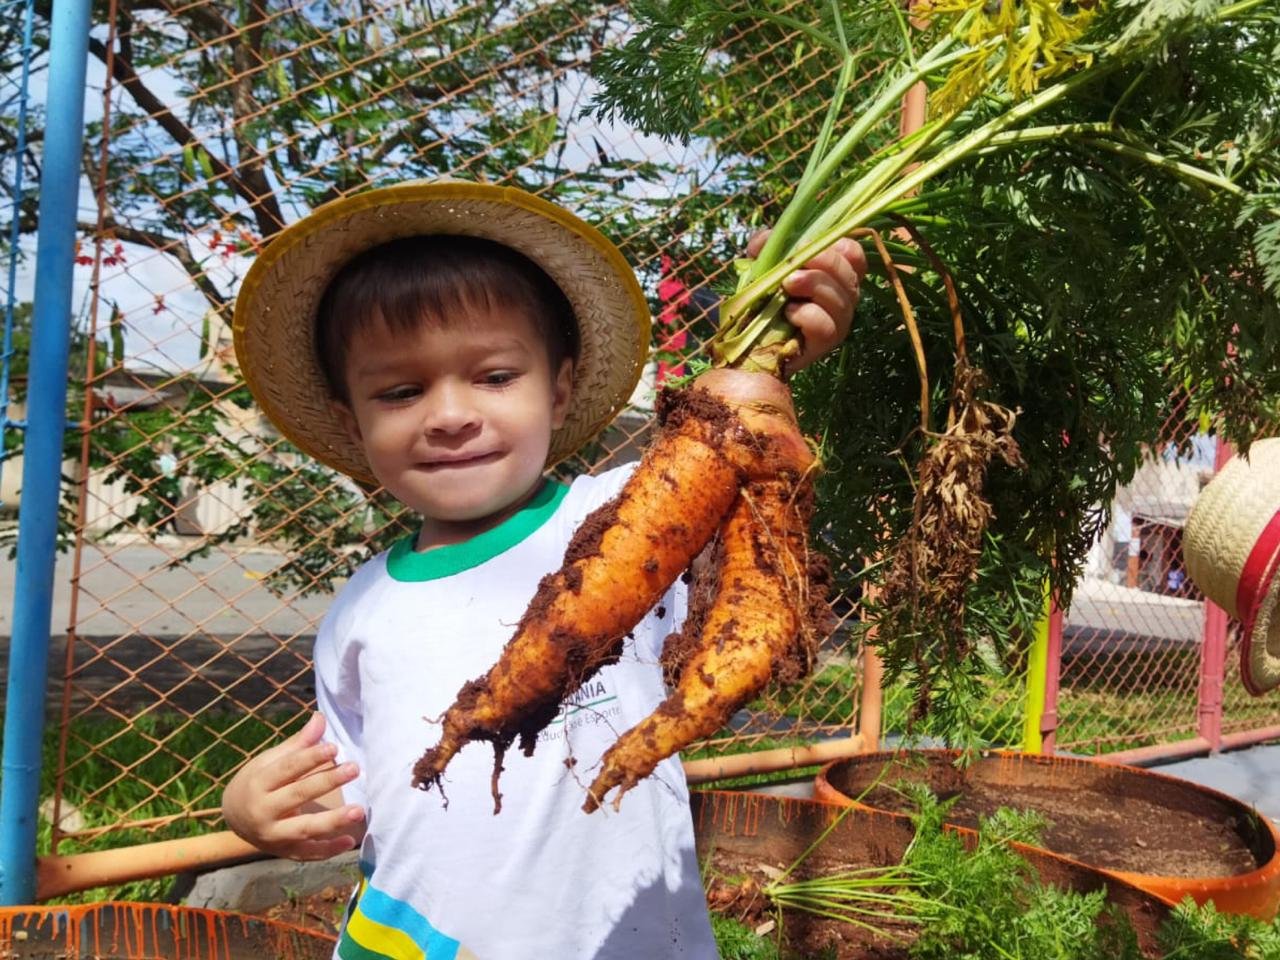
674	296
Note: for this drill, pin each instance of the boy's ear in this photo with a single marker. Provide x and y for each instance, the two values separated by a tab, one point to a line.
561	392
348	420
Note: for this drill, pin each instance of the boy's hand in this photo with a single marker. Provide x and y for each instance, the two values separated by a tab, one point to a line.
287	800
823	294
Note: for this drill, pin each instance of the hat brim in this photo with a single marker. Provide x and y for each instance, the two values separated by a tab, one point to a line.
274	324
1260	642
1231	547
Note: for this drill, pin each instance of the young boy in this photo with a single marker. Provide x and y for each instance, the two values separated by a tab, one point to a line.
449	341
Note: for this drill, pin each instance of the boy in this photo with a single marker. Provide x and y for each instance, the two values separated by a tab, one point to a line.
449	341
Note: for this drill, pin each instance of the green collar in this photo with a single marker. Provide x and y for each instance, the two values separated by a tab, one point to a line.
408	566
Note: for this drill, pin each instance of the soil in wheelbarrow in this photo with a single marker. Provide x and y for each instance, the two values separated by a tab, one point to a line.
1116	832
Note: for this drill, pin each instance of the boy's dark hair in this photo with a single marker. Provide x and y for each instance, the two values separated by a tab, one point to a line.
432	278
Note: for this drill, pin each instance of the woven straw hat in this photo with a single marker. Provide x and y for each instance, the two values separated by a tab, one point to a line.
1232	548
275	309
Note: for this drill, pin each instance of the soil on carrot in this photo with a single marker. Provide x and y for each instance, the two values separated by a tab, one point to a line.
734	884
1105	830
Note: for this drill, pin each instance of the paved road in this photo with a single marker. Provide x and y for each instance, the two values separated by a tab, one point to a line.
1105	609
128	588
195	635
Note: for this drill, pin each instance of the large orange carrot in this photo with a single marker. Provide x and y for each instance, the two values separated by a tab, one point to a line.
759	625
727	428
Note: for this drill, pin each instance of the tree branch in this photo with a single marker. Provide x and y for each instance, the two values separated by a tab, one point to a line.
269	219
246	58
165	244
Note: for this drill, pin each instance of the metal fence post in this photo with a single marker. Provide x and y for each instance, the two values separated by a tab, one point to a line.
1052	675
1213	649
1037	673
42	452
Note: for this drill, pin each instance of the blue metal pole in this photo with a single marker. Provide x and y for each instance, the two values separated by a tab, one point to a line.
42	451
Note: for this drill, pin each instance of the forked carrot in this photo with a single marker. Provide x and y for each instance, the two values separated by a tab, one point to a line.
727	429
758	626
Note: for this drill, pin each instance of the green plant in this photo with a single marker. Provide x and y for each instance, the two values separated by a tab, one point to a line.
1089	217
981	900
1202	933
997	905
736	941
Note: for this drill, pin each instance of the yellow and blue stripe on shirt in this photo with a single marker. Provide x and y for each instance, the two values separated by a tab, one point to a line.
380	927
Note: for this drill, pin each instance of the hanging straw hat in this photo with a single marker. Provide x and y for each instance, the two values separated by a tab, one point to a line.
275	311
1232	548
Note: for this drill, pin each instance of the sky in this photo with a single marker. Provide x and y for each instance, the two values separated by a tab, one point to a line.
163	334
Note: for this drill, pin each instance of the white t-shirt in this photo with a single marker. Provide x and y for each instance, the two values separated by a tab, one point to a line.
541	879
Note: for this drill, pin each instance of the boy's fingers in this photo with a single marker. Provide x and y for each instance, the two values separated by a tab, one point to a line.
293	795
819	330
296	764
844	252
833	269
853	252
315	833
817	323
309	735
836	294
756	243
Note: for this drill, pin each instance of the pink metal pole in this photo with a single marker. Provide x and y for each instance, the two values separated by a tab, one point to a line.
1213	650
1052	671
1213	654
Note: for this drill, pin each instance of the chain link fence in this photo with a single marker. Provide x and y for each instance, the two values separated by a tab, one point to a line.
1143	663
1132	640
201	550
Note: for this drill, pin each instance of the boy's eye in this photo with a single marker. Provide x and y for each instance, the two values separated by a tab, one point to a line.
399	394
499	378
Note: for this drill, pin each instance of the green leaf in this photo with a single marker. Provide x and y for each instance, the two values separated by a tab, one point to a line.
116	327
540	135
206	162
280	80
1156	21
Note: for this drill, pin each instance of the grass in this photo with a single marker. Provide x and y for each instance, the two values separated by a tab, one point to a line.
1097	721
158	768
826	696
1093	717
735	941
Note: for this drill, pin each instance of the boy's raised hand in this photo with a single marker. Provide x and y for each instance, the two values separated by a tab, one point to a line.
822	296
287	800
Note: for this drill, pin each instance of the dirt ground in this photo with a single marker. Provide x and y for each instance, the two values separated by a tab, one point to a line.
320	911
1121	833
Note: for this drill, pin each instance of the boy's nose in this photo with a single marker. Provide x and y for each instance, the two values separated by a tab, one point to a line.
450	411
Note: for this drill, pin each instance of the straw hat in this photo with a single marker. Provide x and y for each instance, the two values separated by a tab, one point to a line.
1232	548
275	309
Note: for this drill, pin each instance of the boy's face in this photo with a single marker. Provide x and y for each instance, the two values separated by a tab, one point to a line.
456	420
